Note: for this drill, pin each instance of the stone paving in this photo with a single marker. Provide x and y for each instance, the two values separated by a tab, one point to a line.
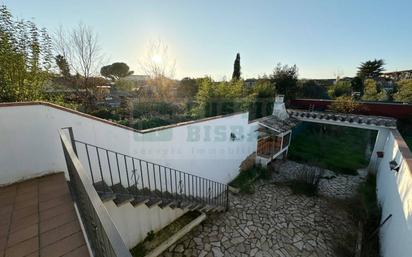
270	222
331	184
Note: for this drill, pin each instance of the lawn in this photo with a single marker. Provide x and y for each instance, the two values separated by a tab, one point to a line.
339	149
408	140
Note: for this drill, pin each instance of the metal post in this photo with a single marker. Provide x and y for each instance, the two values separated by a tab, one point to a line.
70	129
227	198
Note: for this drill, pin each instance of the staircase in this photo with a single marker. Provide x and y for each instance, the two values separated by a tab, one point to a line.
124	179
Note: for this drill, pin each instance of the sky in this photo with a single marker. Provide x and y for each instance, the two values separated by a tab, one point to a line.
324	38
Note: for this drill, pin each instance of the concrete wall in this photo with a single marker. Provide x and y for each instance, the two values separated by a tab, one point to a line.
30	144
133	223
394	191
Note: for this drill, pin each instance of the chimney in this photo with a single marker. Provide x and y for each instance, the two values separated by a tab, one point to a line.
279	109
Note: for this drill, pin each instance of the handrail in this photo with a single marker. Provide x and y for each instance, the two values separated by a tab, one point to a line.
145	178
102	234
129	156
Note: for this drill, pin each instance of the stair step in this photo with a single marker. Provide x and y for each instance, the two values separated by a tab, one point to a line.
219	209
135	191
166	203
104	191
136	196
138	200
153	202
122	195
196	207
207	208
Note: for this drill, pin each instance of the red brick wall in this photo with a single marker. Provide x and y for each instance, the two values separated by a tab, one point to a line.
396	110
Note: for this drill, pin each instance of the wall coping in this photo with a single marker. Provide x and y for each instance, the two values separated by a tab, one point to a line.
144	131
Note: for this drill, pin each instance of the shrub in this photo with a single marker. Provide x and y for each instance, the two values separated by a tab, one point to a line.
155	108
341	88
105	113
344	104
151	122
244	181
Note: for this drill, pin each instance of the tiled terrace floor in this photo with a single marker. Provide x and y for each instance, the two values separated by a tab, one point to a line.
37	218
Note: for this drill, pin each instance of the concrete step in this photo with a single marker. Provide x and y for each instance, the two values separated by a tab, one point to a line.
123	196
137	196
153	202
166	203
104	191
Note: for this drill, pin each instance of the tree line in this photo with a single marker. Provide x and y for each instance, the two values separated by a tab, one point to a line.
69	68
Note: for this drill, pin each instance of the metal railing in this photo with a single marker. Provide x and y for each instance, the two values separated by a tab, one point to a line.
145	178
105	240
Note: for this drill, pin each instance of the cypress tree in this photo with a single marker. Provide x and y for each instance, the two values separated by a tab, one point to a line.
236	68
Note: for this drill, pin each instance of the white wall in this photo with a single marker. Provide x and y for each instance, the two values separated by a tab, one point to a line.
30	144
379	146
394	191
133	223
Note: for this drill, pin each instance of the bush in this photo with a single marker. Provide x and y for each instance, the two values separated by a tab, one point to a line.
155	108
105	113
340	88
244	181
344	104
306	181
151	122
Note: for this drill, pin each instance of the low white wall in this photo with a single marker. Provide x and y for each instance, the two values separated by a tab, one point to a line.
30	144
394	191
133	223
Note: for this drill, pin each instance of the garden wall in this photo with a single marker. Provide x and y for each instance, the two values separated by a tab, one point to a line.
394	191
30	143
396	110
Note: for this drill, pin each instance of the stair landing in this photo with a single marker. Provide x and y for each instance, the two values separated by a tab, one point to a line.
37	218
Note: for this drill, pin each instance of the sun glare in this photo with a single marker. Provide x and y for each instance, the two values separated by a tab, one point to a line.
157	58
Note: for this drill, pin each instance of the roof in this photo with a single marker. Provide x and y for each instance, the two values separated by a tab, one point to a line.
396	72
354	119
278	125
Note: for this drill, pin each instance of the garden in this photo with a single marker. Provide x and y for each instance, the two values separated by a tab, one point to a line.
340	149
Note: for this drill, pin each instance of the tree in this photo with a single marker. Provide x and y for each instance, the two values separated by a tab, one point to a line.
357	84
157	62
220	98
236	68
262	99
158	65
63	65
310	89
285	79
116	70
341	88
188	88
124	85
371	69
372	91
25	59
80	47
344	104
404	93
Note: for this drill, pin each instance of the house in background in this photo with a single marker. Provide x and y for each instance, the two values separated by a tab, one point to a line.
398	75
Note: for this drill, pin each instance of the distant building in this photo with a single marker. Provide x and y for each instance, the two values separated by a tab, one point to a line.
398	75
250	82
137	78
